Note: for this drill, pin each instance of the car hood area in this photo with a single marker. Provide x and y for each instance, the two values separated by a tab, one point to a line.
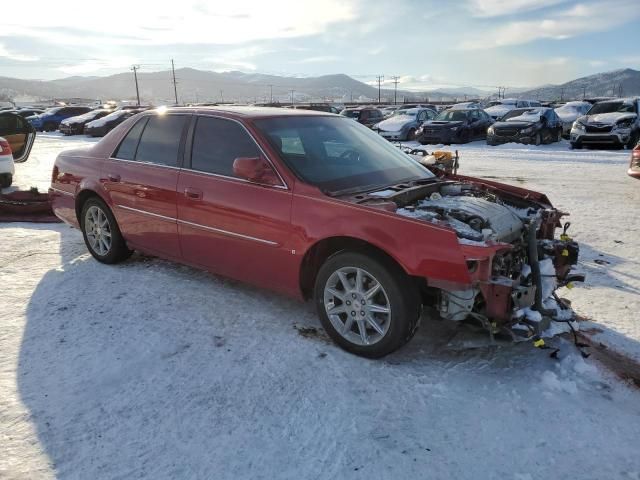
475	214
395	123
607	118
517	125
442	124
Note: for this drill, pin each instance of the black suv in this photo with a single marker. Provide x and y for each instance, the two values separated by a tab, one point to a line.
455	126
526	125
368	116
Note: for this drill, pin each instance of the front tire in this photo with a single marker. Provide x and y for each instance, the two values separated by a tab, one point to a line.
101	233
366	303
411	135
633	140
538	139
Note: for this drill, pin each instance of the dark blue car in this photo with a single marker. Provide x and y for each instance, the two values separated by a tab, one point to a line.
50	119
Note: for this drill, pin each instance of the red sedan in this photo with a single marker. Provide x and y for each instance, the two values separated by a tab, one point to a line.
317	206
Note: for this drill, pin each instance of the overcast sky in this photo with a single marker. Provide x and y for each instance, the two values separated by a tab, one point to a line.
427	43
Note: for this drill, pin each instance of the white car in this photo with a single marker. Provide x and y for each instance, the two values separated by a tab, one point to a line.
570	112
612	122
499	108
7	167
403	124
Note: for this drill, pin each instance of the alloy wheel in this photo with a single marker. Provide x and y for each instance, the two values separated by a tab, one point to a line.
98	230
357	306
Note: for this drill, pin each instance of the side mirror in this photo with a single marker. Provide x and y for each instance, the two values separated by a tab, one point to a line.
255	169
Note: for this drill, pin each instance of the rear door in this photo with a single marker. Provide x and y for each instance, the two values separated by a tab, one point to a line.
19	133
229	225
141	180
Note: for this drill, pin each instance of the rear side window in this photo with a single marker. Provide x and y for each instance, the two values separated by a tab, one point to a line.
217	143
128	146
160	141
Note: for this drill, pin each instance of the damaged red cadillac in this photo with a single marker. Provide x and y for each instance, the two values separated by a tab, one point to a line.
317	206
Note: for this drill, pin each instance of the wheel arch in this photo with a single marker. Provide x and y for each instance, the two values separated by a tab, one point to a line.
318	253
81	197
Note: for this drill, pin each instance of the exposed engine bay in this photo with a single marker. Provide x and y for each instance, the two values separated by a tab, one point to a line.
513	287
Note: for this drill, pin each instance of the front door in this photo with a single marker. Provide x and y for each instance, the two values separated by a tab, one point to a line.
19	133
141	181
229	225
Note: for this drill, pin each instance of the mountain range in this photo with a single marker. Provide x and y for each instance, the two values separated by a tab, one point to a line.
206	86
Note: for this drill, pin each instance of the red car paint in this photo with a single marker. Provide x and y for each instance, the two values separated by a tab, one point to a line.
262	234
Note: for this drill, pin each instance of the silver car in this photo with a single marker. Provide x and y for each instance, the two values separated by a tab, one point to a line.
612	122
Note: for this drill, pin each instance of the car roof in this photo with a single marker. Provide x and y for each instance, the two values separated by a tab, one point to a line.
247	111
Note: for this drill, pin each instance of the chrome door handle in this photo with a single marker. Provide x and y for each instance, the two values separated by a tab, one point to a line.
193	194
113	177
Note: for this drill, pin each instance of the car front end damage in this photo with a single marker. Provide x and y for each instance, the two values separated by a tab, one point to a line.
514	261
432	133
503	132
615	130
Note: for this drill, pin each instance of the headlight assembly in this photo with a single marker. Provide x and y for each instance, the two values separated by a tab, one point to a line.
624	124
578	125
491	130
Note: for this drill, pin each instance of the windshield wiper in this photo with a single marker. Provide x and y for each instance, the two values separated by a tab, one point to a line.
353	190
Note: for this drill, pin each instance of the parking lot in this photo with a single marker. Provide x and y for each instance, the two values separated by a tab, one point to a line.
153	369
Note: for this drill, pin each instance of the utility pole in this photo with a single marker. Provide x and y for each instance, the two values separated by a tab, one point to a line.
221	96
584	92
395	89
561	94
175	88
292	92
135	76
270	93
380	80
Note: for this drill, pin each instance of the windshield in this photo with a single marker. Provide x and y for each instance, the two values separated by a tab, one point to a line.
52	111
612	107
351	113
339	156
410	113
523	115
451	116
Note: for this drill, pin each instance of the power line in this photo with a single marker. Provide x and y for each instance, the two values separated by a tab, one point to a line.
175	88
380	79
135	76
395	88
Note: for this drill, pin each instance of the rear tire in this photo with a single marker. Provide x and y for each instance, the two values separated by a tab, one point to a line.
49	127
101	232
6	180
358	310
538	139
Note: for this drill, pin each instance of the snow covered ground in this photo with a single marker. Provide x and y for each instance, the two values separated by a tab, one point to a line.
153	370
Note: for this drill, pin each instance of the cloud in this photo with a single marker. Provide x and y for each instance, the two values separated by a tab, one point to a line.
578	20
597	63
193	22
95	65
496	8
4	53
319	59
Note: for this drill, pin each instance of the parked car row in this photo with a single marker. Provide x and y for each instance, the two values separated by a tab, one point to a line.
613	122
76	120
